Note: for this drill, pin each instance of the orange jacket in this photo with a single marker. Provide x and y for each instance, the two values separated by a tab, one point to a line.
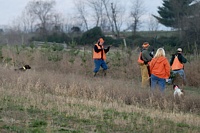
99	55
160	67
177	64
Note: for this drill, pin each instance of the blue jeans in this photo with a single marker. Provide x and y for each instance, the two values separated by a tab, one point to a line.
156	80
180	72
99	63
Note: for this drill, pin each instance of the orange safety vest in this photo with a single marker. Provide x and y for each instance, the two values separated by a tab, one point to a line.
140	61
99	54
176	64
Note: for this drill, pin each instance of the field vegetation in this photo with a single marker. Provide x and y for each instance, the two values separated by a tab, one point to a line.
59	94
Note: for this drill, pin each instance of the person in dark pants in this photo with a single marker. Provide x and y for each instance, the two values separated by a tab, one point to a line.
177	64
99	56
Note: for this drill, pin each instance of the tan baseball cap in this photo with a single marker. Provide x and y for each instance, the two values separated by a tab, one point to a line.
179	49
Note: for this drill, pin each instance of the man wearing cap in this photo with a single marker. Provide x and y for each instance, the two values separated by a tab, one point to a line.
177	62
145	55
99	56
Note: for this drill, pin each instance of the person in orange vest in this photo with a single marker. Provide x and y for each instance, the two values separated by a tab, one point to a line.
99	56
177	63
143	61
160	70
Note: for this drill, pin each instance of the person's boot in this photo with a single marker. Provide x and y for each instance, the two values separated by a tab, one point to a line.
94	74
104	72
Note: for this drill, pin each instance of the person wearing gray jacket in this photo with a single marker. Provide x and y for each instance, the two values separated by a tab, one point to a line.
144	67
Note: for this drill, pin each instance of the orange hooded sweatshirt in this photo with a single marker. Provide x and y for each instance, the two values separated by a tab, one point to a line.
160	67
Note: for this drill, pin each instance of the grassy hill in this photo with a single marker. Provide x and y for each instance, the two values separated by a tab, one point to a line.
61	95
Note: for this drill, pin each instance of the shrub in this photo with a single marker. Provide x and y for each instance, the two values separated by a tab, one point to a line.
57	47
92	35
172	41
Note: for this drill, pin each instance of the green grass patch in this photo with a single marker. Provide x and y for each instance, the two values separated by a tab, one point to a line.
38	123
113	121
14	117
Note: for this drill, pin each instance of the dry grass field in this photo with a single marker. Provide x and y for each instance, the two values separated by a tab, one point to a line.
59	94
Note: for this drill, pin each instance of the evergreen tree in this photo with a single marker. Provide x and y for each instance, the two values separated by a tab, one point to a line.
173	13
92	35
184	16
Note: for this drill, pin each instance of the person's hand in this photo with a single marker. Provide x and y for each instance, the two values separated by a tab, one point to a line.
109	46
145	62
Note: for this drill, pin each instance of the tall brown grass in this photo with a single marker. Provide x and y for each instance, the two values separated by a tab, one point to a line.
53	84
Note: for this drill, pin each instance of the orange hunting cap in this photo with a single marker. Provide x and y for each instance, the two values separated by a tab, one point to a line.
101	40
145	45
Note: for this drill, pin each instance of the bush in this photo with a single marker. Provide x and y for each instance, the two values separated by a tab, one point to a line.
114	42
171	41
91	36
58	38
138	40
57	47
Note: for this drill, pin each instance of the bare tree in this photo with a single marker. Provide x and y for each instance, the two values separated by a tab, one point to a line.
97	9
42	10
117	15
153	23
57	22
27	22
137	11
17	32
105	3
107	13
14	34
114	18
100	13
81	9
68	23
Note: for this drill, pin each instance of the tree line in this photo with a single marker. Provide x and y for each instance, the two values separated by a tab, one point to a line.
40	21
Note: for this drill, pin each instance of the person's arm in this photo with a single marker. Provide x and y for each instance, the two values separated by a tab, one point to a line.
96	49
152	53
107	49
172	60
182	59
167	68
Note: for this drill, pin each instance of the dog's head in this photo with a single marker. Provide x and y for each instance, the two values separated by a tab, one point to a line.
23	68
175	87
178	91
26	67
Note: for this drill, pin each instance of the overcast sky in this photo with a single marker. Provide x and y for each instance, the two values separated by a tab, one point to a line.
11	9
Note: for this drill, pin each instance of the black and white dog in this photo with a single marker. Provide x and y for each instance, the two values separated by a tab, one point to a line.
24	68
178	92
